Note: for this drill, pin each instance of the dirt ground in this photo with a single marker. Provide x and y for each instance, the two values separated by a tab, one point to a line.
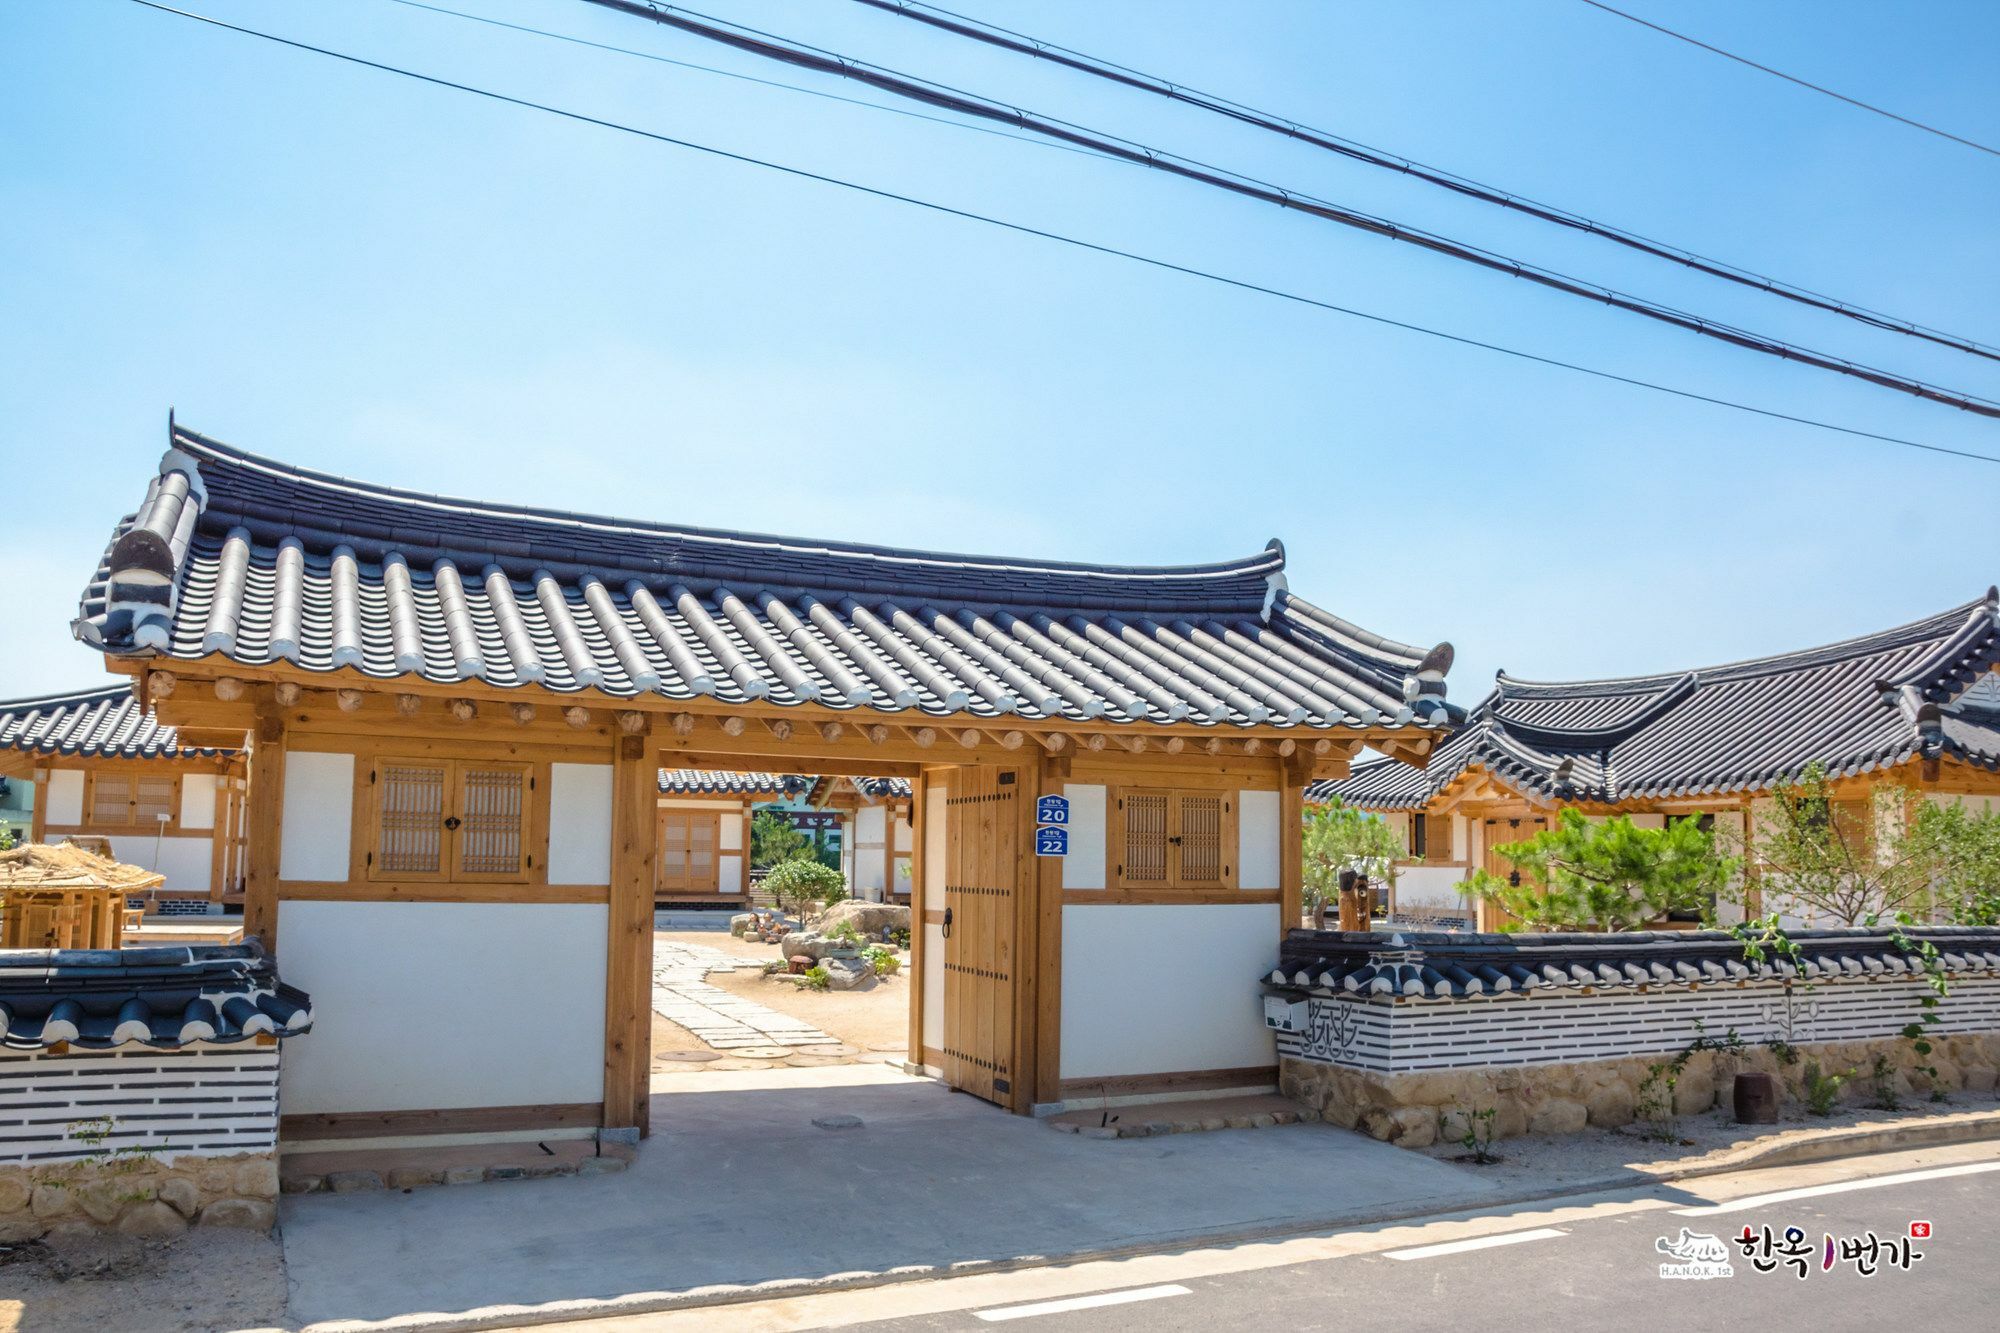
872	1024
105	1283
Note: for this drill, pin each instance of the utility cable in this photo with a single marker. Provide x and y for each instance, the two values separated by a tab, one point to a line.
1791	78
1024	229
934	94
1010	40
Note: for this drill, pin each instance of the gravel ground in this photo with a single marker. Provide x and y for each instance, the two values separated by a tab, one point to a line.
1537	1160
209	1279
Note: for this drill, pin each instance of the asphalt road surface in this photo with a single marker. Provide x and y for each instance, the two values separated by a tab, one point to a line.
1598	1273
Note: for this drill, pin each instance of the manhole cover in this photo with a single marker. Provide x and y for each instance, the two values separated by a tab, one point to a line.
688	1055
837	1122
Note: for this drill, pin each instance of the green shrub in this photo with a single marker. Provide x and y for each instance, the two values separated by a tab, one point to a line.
816	977
1822	1090
883	959
799	885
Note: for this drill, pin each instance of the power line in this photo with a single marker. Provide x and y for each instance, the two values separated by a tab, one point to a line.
1024	229
1011	40
1791	78
745	78
931	93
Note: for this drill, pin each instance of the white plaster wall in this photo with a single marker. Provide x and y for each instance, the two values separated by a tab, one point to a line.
1649	820
934	853
420	1006
933	988
729	874
869	869
1400	822
730	838
188	863
579	823
1431	887
906	836
318	816
1168	989
64	802
1461	839
1083	868
1974	805
870	823
1256	840
198	800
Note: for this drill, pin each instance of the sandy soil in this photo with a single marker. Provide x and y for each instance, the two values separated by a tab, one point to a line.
872	1024
107	1282
1544	1160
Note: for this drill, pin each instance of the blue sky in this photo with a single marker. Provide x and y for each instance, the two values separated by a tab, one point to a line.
365	275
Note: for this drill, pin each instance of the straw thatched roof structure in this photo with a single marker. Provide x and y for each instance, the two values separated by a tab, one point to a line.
39	865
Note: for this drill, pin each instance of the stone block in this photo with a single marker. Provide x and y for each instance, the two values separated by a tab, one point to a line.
20	1225
1558	1116
304	1184
1412	1127
152	1219
16	1190
504	1173
1979	1078
1610	1106
412	1177
249	1214
103	1200
353	1182
1694	1092
464	1175
600	1166
257	1179
182	1194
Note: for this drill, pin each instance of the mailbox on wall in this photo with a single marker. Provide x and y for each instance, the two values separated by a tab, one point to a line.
1284	1015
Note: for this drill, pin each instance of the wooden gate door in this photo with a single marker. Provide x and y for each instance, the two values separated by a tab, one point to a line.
1508	829
982	839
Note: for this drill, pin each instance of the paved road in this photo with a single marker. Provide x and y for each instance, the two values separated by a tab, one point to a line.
1596	1273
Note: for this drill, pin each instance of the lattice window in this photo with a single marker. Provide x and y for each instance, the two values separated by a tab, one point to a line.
125	800
1173	840
410	818
689	841
450	819
490	801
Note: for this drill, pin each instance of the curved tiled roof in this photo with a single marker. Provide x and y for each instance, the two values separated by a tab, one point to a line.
1854	706
715	782
884	788
261	563
1434	965
104	723
161	997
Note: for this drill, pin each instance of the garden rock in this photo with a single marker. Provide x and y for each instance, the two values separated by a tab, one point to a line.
152	1219
251	1214
183	1194
742	923
847	973
871	919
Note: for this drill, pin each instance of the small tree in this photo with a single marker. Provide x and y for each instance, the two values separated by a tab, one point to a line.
1614	875
1850	860
1339	837
1963	852
802	884
775	840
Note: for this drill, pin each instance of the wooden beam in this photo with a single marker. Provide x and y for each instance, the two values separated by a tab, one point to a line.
577	717
349	700
264	828
628	973
1011	740
1291	844
409	705
831	732
1174	744
1136	744
922	737
683	724
287	693
876	733
462	710
1052	741
1045	945
524	714
1096	740
968	737
230	688
919	895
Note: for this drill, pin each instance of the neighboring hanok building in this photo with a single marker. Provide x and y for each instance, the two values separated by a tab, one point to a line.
102	767
878	838
1917	706
705	832
459	711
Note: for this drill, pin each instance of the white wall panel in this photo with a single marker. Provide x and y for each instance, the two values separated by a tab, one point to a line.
579	823
198	800
420	1006
729	874
1167	989
64	802
1257	853
731	833
188	863
1083	868
318	816
933	988
870	824
934	863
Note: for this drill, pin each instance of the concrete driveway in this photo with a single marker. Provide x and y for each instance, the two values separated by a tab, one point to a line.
737	1186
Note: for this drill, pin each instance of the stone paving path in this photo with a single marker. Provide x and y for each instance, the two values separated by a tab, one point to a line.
681	994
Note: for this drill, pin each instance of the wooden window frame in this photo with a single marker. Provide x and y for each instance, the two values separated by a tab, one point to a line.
712	817
128	825
1175	886
452	805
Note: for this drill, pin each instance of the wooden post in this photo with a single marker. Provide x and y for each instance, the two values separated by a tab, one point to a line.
1292	775
1046	947
264	818
628	972
919	811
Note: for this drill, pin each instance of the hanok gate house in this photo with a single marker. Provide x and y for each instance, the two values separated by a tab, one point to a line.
1917	705
102	767
460	709
704	832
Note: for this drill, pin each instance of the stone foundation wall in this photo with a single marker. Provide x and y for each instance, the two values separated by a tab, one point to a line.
1567	1097
139	1195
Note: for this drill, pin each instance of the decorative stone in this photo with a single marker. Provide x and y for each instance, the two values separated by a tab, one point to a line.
183	1194
352	1182
871	919
250	1214
152	1219
847	973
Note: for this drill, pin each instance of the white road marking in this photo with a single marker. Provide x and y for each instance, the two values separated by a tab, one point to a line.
1840	1187
1476	1243
1127	1297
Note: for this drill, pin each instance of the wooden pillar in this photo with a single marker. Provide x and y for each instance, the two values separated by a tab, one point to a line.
919	830
628	972
1292	778
264	821
38	818
1046	943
